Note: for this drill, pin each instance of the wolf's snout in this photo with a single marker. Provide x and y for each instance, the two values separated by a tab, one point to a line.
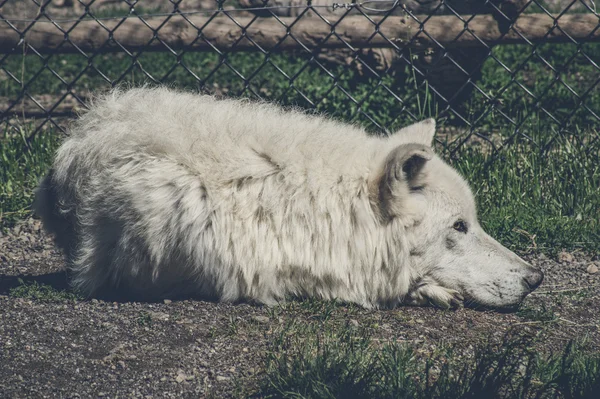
533	278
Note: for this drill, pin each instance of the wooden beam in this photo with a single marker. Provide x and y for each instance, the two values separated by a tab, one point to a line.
268	33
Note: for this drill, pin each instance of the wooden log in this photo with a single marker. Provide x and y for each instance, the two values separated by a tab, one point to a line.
68	106
269	34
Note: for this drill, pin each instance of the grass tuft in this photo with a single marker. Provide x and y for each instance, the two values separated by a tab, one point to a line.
21	168
537	314
342	364
144	319
42	292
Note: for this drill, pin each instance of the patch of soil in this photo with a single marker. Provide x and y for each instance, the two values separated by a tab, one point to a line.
193	348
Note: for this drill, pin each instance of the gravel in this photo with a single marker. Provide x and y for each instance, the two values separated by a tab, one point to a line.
192	348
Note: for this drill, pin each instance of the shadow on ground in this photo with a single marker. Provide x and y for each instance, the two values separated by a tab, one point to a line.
59	282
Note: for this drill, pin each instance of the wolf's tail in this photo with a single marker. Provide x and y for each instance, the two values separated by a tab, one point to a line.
58	220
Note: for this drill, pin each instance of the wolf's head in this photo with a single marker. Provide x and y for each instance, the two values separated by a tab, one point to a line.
451	257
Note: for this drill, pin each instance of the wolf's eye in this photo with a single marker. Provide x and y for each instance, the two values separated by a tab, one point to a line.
460	225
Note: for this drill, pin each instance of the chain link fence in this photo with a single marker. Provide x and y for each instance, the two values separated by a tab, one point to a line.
491	72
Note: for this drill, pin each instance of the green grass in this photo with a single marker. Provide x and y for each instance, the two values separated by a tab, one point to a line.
43	292
300	80
144	319
310	84
313	362
537	313
538	200
20	171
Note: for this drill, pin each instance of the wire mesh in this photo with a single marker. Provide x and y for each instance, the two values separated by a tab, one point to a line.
490	92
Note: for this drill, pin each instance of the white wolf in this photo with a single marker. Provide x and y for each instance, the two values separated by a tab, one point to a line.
161	193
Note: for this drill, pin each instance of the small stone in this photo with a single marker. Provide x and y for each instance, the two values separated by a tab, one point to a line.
167	301
180	377
592	269
222	378
420	321
261	319
565	257
159	316
354	323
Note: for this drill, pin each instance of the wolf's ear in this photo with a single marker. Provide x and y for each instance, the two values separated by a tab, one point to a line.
390	184
420	132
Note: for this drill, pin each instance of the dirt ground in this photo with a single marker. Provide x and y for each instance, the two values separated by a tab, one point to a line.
192	348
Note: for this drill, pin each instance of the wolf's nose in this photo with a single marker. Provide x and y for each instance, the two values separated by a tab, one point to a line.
534	278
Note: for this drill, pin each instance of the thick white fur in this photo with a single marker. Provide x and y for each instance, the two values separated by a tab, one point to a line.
162	193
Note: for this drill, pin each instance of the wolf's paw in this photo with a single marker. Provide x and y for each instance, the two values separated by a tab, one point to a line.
436	295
